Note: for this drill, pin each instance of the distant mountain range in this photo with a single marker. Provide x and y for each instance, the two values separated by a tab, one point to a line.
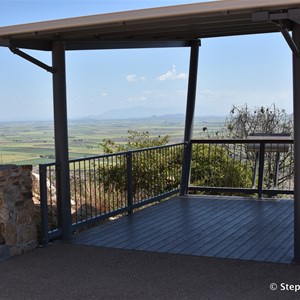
143	112
133	113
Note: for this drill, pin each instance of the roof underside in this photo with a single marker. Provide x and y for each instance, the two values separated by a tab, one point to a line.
173	26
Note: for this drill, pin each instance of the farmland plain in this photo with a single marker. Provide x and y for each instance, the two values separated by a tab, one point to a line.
33	142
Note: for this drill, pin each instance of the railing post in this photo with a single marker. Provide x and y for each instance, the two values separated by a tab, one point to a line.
276	171
186	166
255	170
44	204
129	182
261	168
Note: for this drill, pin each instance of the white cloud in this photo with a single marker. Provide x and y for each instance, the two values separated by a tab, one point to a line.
172	75
134	78
104	94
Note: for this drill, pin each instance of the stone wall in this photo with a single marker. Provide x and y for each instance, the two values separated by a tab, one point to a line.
18	232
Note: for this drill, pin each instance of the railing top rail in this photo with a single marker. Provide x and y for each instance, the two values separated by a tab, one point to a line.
48	165
157	147
243	141
124	152
112	154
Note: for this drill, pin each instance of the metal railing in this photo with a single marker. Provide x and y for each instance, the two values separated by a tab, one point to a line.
265	167
108	185
50	227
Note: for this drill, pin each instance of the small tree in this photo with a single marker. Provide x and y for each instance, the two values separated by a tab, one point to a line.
154	171
213	166
242	122
135	140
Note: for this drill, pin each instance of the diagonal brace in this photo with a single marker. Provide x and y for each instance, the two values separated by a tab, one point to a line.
288	38
32	59
283	20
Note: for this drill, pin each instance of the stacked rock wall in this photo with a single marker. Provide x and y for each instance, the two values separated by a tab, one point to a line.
18	232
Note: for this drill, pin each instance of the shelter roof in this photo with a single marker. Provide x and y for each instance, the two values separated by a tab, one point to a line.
173	23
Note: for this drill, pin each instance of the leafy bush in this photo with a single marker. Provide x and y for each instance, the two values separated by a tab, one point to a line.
214	166
154	171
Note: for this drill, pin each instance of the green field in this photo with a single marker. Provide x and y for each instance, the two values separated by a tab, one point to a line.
33	142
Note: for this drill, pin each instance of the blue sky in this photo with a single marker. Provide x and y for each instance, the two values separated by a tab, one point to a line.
234	70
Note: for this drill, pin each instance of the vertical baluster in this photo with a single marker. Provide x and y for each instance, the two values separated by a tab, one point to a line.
44	204
233	158
240	167
89	175
261	168
129	181
85	191
75	191
51	199
99	185
227	156
80	189
112	190
95	188
104	168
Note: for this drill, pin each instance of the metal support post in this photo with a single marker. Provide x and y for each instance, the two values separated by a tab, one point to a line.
296	90
261	168
255	170
61	139
189	118
276	170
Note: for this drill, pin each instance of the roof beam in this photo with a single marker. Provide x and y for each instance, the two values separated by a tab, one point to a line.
26	44
291	14
4	43
135	44
294	15
32	44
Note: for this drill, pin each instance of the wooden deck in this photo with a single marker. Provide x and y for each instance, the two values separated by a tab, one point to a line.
225	227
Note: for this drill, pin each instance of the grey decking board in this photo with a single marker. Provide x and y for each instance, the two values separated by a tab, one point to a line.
142	231
144	222
243	245
283	251
109	225
281	245
181	243
156	224
222	236
168	235
269	240
179	225
133	222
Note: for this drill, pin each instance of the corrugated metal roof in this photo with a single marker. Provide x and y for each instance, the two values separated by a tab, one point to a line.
173	23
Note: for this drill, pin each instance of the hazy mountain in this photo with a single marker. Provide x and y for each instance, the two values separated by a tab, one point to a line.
140	112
